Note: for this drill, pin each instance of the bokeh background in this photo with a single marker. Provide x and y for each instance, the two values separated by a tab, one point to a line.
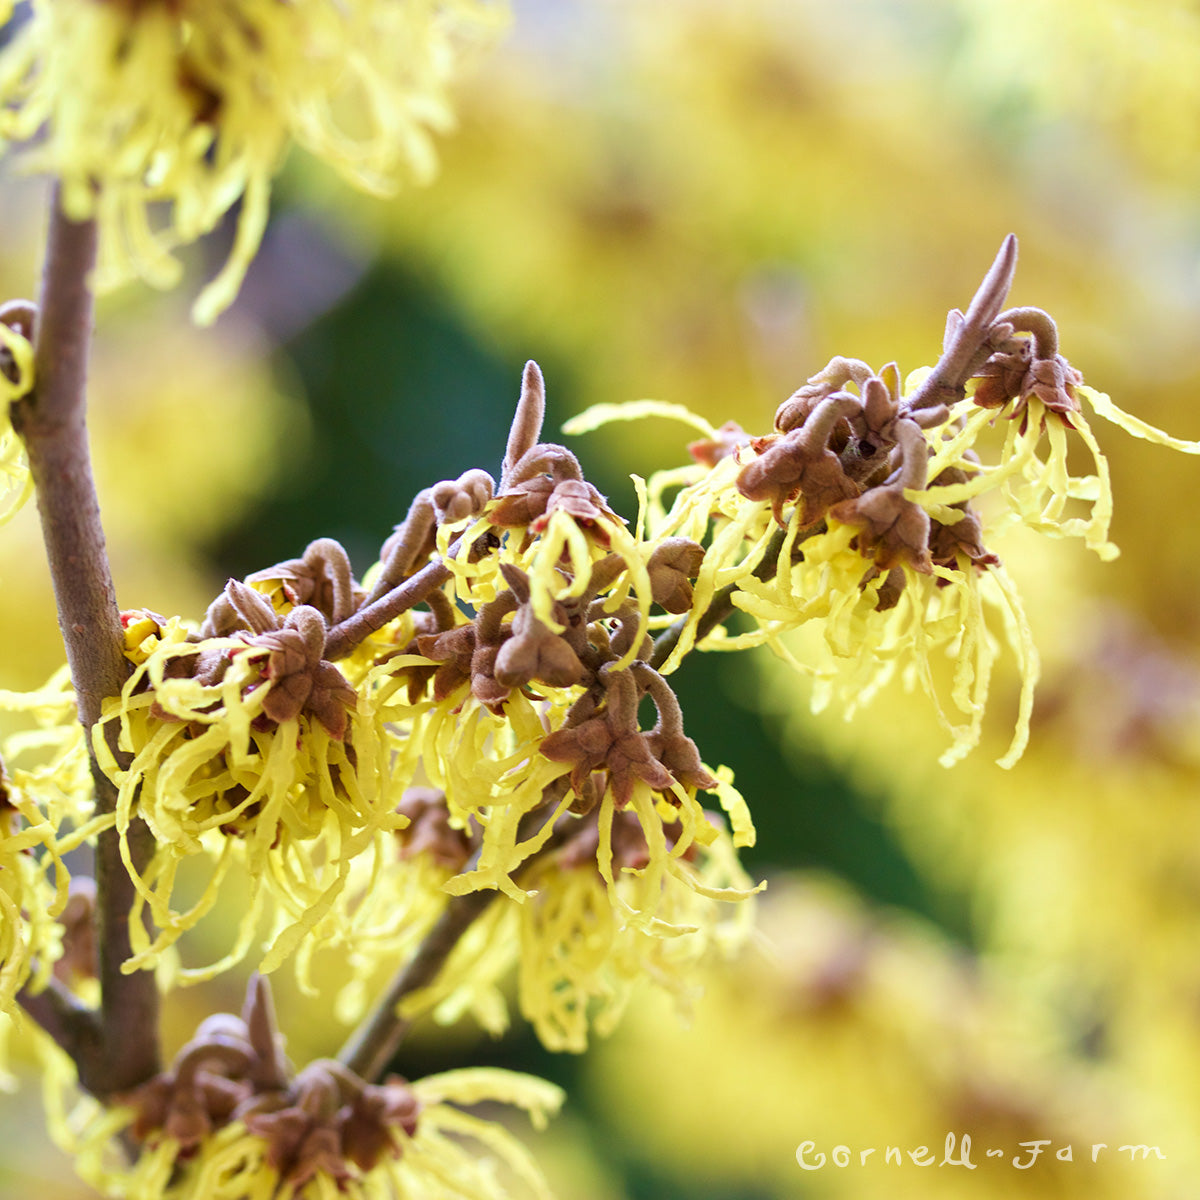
702	202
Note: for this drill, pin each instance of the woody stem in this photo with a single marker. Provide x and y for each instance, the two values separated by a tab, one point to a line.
369	619
371	1046
52	423
944	383
369	1049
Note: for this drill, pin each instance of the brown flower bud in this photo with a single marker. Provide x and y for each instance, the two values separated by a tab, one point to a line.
429	831
485	687
799	465
678	754
790	469
1002	376
534	652
585	746
578	498
1053	382
612	740
523	503
300	681
458	499
875	426
1046	373
673	564
893	530
833	377
239	608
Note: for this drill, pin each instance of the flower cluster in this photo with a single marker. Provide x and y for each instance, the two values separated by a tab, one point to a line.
248	744
466	719
229	1118
473	757
133	104
577	943
469	718
855	518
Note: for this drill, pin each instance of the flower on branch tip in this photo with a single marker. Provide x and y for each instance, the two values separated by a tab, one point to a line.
298	679
534	501
893	529
799	465
251	747
545	480
609	740
1022	367
589	944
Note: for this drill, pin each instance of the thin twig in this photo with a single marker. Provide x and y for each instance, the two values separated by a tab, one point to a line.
371	618
52	422
72	1025
958	363
374	1043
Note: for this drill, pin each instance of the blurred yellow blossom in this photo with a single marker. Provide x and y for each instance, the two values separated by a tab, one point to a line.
131	104
16	380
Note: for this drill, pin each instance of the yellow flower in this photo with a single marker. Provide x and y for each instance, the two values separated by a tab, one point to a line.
322	1135
132	103
592	927
582	956
27	928
1032	476
856	644
253	751
45	812
853	519
16	380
